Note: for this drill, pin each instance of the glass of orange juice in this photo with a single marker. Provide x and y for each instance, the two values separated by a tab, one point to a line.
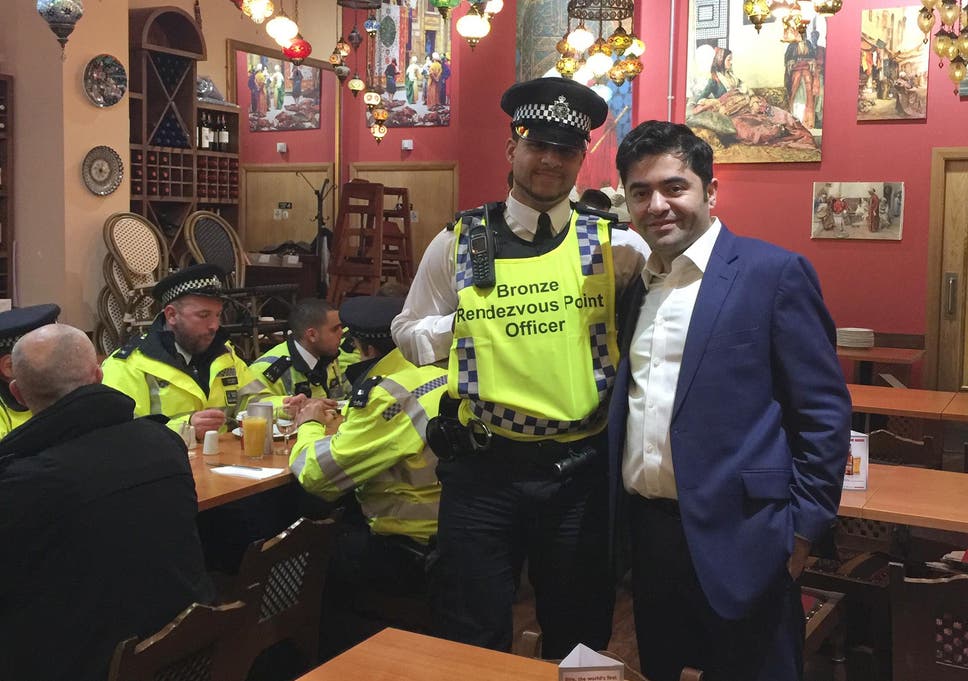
254	436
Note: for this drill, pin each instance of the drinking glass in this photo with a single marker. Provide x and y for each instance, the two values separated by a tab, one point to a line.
286	425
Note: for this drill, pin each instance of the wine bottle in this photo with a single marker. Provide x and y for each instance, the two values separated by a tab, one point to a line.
223	134
206	133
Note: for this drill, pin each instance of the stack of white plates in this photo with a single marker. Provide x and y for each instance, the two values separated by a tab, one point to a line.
850	337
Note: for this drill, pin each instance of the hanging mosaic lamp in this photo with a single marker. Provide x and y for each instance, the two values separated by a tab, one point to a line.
378	131
61	15
342	72
297	50
444	6
356	84
354	38
371	25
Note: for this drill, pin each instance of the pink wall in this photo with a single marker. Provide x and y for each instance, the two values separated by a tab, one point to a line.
305	146
881	285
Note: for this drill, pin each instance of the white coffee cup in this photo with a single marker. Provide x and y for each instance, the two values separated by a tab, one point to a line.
210	444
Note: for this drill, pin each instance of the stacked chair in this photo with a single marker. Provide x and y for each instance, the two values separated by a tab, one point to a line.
137	258
371	241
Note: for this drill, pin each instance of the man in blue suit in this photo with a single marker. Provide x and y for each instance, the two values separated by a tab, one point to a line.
734	437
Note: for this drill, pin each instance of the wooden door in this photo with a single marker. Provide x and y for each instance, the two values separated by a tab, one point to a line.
267	223
946	341
433	193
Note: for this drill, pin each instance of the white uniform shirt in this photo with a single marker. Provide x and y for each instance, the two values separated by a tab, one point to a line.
655	357
424	329
307	356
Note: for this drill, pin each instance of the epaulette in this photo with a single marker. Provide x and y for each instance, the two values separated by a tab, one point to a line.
471	213
275	370
604	214
361	395
129	347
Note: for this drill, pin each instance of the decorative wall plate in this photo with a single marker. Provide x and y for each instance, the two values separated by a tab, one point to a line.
105	80
102	170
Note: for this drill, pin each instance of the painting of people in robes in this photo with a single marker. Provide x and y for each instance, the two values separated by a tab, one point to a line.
277	94
858	210
410	61
893	78
755	97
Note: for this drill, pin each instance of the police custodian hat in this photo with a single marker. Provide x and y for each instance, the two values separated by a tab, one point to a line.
16	323
196	280
557	111
369	317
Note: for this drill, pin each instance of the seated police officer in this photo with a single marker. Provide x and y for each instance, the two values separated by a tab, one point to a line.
520	296
184	367
378	451
13	325
302	366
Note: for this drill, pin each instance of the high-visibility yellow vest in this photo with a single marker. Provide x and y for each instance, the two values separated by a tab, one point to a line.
281	372
161	388
534	356
380	450
11	417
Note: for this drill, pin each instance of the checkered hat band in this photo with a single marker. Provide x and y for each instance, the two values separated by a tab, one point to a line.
6	344
554	113
203	286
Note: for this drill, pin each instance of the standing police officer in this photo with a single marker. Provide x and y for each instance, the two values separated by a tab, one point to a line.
184	367
521	297
13	325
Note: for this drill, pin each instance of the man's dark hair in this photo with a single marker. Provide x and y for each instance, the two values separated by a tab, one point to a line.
596	198
654	138
308	313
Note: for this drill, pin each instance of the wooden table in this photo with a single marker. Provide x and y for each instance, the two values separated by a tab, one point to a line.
866	358
394	655
922	404
214	489
957	409
918	497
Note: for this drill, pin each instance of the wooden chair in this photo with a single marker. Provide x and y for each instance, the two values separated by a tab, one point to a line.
826	616
200	644
213	240
930	627
283	577
111	331
397	233
356	266
886	447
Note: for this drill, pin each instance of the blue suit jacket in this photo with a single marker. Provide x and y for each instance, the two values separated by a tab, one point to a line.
760	426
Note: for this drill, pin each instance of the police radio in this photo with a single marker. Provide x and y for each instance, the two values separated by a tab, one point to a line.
482	254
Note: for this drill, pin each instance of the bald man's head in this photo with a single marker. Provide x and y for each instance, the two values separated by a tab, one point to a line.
50	362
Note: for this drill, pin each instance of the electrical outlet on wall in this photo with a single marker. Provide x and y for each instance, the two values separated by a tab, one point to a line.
277	213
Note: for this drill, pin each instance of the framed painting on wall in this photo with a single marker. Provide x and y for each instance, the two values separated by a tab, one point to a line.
857	210
411	60
893	78
277	94
755	97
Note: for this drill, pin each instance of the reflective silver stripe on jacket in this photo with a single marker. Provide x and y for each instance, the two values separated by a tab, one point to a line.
408	403
323	453
154	394
251	388
400	472
394	506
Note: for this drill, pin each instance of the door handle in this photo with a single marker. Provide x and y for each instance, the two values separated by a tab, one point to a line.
950	293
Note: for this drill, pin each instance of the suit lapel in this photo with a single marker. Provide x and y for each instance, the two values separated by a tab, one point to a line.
717	281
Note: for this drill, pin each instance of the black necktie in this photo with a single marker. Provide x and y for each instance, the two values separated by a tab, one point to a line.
543	233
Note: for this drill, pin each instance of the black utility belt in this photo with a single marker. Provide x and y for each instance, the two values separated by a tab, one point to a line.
450	440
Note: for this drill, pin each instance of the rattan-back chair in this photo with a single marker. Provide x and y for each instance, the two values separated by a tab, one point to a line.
111	319
284	577
211	239
139	259
200	644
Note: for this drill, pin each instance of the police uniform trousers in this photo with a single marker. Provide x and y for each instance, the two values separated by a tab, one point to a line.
675	625
500	507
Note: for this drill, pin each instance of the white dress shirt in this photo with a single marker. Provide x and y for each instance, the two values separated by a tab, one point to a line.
424	329
655	357
307	356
